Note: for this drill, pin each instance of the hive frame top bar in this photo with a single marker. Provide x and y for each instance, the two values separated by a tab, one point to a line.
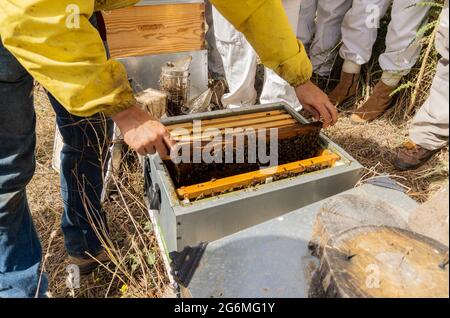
234	112
347	162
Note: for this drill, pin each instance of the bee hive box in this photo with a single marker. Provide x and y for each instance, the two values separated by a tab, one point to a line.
202	202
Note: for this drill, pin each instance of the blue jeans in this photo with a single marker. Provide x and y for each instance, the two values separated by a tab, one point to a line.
83	158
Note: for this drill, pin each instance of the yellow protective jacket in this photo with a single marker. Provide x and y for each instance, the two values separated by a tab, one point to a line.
69	59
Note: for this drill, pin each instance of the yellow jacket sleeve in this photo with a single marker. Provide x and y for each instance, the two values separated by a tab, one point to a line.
266	27
113	4
65	54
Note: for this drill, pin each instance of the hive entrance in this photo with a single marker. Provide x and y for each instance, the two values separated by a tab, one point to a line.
298	150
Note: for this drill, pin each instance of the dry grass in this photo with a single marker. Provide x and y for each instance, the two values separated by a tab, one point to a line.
375	144
137	270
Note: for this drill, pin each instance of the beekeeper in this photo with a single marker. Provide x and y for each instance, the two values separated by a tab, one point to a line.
429	129
53	42
240	62
319	29
359	33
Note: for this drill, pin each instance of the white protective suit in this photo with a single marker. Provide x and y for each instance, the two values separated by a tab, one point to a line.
215	65
319	29
429	128
360	31
240	63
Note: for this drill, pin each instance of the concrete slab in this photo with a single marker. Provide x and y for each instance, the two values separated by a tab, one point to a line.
272	260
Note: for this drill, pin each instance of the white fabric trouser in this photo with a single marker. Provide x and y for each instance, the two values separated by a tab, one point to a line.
360	30
306	27
240	63
319	29
429	128
215	65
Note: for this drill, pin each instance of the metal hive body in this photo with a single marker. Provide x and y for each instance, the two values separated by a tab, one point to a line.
206	219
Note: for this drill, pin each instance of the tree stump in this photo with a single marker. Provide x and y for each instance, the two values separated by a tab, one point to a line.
348	211
381	262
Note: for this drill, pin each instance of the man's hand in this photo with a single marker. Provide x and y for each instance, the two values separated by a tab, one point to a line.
143	133
316	102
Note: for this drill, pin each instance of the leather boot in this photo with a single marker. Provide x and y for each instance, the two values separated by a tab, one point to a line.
347	87
376	105
411	156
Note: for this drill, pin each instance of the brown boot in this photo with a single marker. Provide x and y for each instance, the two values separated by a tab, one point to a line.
347	87
411	156
376	105
88	265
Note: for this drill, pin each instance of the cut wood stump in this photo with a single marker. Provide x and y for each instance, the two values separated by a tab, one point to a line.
381	262
348	211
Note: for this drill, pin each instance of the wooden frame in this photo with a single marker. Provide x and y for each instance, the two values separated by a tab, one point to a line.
287	126
326	160
155	29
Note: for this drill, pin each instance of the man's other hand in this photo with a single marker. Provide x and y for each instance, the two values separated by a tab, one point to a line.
144	133
316	102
